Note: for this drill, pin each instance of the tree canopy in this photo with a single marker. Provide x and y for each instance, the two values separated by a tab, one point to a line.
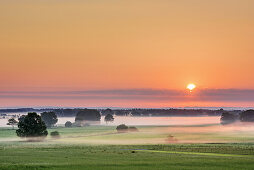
247	116
68	124
109	118
88	115
31	125
12	122
227	118
50	118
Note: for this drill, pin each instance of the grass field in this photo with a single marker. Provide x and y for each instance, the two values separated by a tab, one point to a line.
101	147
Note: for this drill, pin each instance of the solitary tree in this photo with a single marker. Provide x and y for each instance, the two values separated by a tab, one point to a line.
50	118
12	122
227	118
109	118
31	125
68	124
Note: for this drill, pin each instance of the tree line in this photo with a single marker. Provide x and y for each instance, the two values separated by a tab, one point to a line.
68	112
244	116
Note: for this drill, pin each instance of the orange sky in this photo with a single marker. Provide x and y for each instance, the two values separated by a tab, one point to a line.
71	45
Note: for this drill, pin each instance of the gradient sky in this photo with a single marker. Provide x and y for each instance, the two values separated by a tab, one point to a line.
144	52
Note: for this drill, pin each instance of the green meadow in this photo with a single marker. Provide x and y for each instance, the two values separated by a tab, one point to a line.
152	147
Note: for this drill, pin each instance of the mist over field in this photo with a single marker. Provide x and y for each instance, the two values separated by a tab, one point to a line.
151	130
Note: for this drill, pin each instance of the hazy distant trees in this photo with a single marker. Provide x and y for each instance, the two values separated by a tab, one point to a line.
107	111
87	115
68	124
31	125
12	122
50	118
109	118
227	118
247	116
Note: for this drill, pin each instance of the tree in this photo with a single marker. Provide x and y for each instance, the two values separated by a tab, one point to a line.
107	111
50	118
227	118
88	115
109	118
247	116
12	122
122	128
68	124
31	125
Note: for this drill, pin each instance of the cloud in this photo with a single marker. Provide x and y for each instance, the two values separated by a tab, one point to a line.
212	95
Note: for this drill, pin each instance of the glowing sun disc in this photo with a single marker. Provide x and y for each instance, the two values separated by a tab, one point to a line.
191	86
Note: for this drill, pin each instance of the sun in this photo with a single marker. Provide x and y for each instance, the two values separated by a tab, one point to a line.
191	86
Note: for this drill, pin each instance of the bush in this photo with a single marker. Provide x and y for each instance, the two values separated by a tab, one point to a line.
55	134
68	124
133	129
31	125
122	128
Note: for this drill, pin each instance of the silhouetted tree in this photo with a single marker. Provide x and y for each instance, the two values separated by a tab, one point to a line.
12	122
88	115
31	125
109	118
227	118
68	124
50	118
247	116
107	111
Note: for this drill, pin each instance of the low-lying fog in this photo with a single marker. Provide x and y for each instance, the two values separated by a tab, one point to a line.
160	121
163	130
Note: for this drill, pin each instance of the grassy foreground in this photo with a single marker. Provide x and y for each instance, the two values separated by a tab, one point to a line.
101	147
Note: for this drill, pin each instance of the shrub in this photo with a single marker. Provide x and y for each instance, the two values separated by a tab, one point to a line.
55	134
133	129
122	128
68	124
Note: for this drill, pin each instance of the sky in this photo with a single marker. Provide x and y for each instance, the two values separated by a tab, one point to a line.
129	53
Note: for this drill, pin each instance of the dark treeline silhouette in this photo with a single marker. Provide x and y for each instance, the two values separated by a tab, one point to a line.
68	112
244	116
24	110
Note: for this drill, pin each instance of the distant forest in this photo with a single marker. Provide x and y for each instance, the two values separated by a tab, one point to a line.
61	112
